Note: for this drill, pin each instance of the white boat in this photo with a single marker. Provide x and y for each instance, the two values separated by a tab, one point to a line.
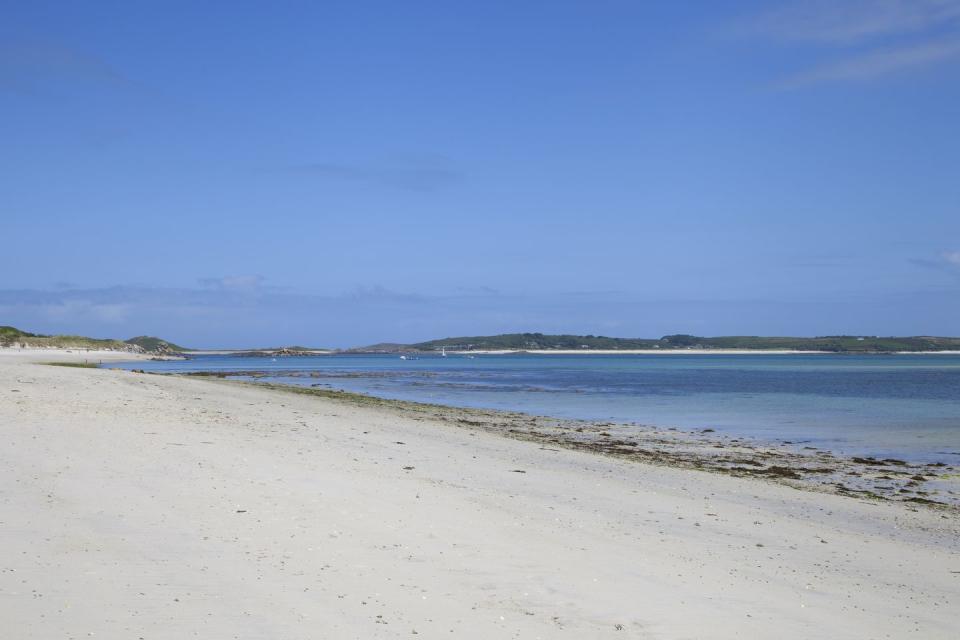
443	351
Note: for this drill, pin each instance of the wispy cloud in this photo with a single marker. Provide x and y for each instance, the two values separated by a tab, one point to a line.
381	295
407	175
45	68
851	21
233	283
877	63
862	39
947	261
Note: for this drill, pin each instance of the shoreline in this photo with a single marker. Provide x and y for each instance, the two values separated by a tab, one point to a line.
934	484
792	461
841	449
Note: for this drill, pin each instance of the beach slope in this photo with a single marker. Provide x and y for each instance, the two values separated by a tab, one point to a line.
142	506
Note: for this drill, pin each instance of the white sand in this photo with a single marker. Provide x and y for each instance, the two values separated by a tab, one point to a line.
627	352
143	506
9	355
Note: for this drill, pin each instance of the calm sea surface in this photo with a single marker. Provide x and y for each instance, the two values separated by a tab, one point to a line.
905	406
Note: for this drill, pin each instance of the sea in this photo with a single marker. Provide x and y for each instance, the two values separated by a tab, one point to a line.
905	406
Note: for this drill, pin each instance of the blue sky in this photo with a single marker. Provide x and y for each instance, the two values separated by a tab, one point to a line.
346	173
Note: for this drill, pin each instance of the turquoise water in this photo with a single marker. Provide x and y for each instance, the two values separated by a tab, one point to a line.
905	406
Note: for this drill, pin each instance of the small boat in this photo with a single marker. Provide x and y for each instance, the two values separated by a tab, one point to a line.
443	351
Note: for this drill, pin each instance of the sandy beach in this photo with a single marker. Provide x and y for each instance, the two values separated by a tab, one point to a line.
666	352
636	352
145	506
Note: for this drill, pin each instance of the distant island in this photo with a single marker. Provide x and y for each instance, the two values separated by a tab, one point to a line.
685	342
513	342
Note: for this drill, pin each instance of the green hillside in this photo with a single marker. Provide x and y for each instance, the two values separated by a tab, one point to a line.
837	344
152	344
9	334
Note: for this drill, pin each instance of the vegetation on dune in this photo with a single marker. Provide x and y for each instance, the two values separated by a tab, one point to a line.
78	342
13	337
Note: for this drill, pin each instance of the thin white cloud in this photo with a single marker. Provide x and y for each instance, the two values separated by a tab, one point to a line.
234	282
866	39
877	63
947	261
849	21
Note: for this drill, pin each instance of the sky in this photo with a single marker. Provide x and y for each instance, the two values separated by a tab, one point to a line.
344	173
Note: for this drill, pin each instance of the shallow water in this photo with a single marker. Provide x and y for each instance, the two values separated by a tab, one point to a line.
905	406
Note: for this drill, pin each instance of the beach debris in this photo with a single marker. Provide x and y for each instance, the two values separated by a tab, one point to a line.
879	463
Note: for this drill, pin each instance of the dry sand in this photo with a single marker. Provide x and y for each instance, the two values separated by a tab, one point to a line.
626	352
139	506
